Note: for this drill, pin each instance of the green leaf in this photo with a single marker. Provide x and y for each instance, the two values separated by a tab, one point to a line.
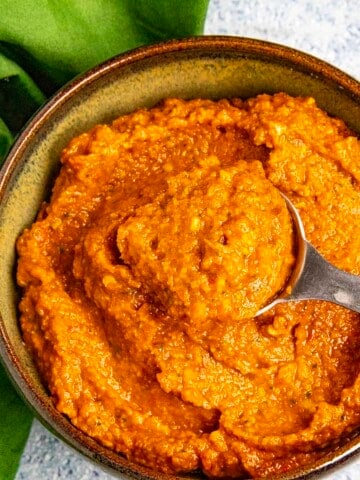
15	88
15	423
45	43
19	98
70	36
30	65
5	141
180	18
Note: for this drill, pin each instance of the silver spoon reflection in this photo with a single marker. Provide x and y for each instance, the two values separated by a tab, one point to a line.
313	278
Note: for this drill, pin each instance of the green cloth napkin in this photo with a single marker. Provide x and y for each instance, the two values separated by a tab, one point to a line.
43	44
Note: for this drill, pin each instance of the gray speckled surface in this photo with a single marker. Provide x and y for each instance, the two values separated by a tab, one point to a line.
328	29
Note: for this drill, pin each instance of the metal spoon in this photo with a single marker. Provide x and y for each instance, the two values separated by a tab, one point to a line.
314	278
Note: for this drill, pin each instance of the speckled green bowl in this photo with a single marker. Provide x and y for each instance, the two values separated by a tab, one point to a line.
208	67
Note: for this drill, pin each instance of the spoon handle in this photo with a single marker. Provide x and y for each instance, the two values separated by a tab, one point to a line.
322	281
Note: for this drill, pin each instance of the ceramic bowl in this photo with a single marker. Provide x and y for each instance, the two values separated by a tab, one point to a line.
209	67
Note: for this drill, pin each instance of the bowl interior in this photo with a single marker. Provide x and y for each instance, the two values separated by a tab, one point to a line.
213	67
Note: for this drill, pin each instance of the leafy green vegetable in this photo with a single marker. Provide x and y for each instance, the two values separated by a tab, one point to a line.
70	36
15	423
43	44
54	41
5	139
19	98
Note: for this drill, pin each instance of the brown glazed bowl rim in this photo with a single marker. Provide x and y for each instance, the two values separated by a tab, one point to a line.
45	412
